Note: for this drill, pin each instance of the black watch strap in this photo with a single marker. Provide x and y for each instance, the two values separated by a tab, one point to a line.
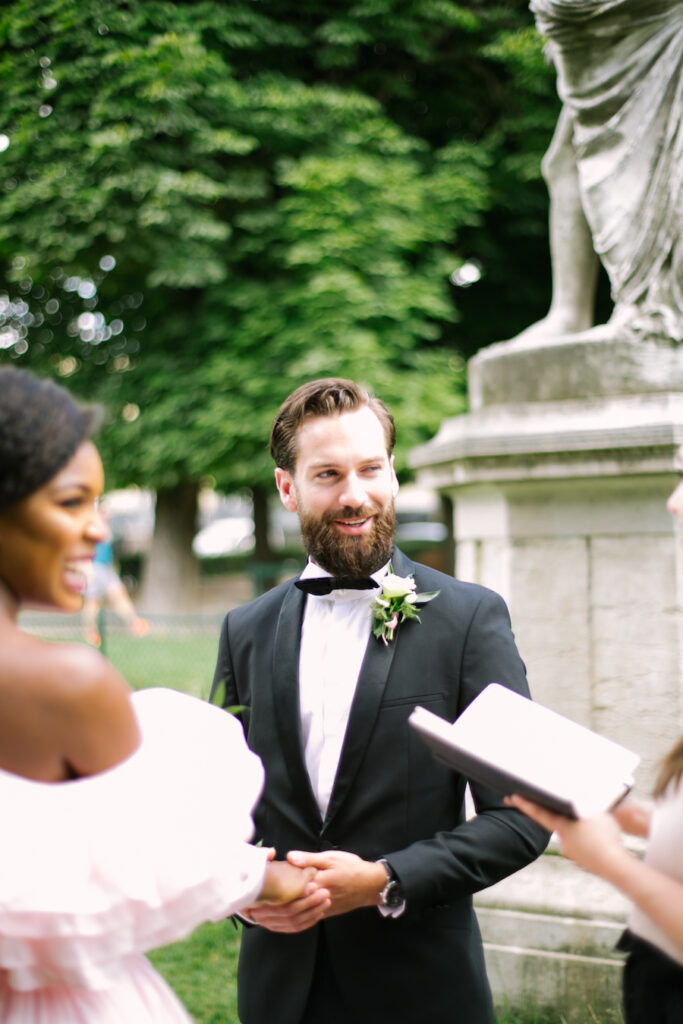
391	895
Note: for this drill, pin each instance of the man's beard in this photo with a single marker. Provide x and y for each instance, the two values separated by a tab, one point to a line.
345	555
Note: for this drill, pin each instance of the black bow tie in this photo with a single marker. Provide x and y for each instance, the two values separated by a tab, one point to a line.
320	585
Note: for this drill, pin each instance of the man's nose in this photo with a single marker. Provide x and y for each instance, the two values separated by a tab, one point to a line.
353	493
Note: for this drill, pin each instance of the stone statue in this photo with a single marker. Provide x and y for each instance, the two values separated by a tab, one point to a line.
614	168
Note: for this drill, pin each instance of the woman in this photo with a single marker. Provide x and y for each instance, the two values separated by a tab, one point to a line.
117	837
653	974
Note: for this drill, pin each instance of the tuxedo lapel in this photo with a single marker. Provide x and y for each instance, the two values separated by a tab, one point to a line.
401	564
372	682
286	695
364	709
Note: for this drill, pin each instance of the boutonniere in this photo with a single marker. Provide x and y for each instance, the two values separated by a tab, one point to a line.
397	601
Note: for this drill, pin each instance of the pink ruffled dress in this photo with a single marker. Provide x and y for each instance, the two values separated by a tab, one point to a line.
97	871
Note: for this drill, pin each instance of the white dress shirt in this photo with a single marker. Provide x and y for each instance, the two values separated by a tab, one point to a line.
334	636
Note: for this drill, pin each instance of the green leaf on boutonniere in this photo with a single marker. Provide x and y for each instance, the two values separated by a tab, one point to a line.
396	601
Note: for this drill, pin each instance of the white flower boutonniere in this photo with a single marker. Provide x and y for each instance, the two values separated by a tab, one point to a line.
396	602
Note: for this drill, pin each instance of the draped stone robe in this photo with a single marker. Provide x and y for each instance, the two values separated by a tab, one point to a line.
619	75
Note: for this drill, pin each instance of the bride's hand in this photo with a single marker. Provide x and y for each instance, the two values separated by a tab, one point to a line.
283	882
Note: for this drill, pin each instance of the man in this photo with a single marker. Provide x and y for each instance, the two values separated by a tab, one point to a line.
389	933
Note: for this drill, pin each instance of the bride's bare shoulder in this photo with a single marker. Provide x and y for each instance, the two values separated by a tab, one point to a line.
69	699
53	669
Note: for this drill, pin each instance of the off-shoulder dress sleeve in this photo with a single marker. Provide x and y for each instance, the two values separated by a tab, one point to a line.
98	870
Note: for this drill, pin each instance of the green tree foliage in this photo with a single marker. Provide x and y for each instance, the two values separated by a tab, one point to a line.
204	204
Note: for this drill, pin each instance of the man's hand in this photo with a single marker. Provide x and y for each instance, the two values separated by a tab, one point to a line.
350	881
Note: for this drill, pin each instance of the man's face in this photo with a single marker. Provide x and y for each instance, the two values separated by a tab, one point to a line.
343	489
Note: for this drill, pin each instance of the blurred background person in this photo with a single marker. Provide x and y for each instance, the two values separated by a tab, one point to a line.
106	588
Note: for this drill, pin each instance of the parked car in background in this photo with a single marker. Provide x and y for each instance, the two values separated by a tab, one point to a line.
225	536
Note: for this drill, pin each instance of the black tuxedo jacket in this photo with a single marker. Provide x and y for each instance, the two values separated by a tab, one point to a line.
390	799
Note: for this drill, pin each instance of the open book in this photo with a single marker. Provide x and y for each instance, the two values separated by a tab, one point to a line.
513	745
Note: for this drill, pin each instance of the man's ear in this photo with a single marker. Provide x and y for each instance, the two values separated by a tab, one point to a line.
285	486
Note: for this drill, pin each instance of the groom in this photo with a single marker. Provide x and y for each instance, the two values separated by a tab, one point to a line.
387	933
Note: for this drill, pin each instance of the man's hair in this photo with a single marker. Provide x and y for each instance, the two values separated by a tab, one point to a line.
328	396
41	426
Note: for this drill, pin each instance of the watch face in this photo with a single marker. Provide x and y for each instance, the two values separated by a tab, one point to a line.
394	895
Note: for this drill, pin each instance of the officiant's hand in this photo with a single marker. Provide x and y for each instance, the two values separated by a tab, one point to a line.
634	815
592	843
350	881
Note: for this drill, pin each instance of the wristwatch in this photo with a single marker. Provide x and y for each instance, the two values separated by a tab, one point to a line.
391	895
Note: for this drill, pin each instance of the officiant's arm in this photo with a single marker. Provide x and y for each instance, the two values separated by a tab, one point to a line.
595	845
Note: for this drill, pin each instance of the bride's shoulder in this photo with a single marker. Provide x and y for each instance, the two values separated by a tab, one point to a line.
70	706
54	671
74	674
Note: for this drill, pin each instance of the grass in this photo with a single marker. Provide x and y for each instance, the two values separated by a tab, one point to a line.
202	971
532	1016
180	659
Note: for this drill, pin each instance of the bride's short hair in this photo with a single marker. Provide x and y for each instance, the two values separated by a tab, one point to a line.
41	426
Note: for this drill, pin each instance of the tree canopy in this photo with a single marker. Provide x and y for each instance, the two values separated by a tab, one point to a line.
204	204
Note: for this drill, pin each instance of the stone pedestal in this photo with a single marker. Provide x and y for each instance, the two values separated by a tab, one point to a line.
559	478
593	364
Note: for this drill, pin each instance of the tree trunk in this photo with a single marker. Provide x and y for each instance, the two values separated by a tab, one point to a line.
170	583
264	567
262	552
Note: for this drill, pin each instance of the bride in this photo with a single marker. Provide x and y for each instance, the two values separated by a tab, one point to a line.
120	833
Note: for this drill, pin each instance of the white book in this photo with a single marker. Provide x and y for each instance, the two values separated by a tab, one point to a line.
514	745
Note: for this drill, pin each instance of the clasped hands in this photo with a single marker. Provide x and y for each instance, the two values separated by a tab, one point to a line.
308	887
